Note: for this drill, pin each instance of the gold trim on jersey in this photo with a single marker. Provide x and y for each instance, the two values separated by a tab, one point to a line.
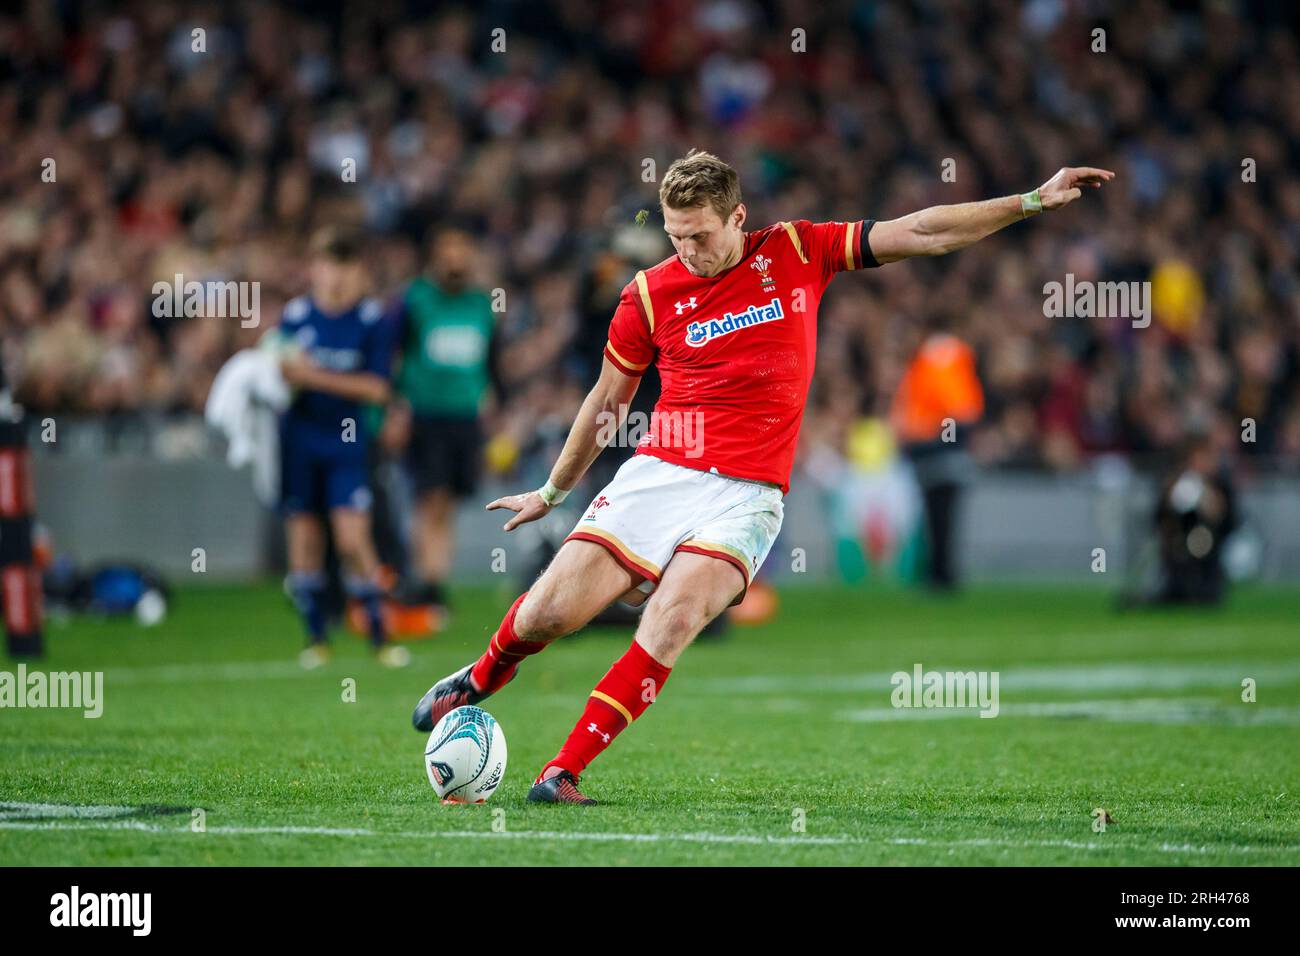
644	289
848	246
794	237
634	366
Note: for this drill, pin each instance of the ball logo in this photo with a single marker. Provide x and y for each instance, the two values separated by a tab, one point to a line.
699	334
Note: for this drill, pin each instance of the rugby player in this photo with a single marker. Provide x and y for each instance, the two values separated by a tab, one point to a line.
730	322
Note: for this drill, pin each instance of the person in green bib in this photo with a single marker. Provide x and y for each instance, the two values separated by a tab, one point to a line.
446	374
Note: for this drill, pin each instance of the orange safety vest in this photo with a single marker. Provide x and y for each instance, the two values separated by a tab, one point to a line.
940	382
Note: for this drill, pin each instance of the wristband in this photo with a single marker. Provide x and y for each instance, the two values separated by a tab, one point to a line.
551	494
1030	202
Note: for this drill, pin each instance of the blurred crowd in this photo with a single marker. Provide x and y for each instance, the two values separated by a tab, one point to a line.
135	149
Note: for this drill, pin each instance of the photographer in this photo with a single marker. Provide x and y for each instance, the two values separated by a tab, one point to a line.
1196	512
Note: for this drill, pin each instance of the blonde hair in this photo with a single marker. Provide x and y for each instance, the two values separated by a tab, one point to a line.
699	178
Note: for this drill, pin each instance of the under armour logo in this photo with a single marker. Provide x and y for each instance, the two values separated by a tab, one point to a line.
593	729
760	263
683	306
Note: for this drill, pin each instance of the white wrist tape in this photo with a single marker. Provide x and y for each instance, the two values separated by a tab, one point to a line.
1030	202
551	494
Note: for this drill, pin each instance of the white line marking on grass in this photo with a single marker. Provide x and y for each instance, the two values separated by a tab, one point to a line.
722	838
203	673
1155	710
1150	675
14	810
105	825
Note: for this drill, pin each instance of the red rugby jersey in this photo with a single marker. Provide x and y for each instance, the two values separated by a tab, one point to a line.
735	352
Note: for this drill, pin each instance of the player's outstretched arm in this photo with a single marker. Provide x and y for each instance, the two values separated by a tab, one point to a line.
942	229
603	410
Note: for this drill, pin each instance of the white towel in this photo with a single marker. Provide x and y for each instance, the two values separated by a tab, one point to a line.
245	402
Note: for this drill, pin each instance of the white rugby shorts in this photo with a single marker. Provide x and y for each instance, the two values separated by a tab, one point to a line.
652	509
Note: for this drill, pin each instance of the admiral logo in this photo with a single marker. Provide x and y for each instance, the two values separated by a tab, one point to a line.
699	334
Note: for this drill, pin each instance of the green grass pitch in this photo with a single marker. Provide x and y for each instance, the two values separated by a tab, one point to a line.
776	745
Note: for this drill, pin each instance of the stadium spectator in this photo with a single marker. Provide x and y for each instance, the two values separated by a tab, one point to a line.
131	156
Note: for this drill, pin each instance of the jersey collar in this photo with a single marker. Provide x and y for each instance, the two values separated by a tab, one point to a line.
745	253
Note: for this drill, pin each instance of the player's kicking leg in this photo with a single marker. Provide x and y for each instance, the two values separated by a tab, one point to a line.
581	581
695	589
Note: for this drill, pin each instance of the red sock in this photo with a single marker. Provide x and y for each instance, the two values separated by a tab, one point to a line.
622	696
500	661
